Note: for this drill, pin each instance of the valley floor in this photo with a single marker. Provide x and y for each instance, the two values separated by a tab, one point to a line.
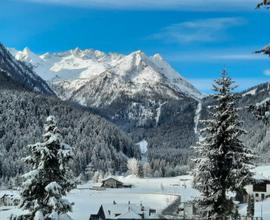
156	193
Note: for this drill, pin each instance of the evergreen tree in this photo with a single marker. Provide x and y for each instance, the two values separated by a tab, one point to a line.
147	171
49	179
90	171
82	129
265	50
140	170
224	163
264	3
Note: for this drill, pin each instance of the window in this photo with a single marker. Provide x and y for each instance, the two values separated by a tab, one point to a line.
259	187
256	195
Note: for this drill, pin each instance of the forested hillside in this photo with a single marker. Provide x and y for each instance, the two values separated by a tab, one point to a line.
22	115
6	82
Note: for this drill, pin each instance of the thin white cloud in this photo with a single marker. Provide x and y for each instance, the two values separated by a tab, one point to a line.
205	85
195	5
243	56
204	30
267	72
213	56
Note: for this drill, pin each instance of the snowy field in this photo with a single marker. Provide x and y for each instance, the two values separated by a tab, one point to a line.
156	193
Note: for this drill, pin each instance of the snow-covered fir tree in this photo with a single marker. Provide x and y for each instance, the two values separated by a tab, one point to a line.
263	3
50	178
133	166
265	50
90	171
224	162
262	110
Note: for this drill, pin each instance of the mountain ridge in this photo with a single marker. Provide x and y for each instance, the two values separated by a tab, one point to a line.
79	66
20	73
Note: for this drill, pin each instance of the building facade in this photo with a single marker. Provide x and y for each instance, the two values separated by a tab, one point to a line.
260	189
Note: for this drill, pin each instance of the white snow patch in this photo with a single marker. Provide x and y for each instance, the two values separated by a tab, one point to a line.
143	146
72	64
159	112
197	116
263	102
251	92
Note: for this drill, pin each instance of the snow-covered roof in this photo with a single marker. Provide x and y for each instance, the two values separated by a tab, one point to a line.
111	177
129	215
114	210
65	217
260	177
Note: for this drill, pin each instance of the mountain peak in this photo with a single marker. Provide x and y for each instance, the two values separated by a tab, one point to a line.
138	52
137	55
84	65
157	56
26	51
76	52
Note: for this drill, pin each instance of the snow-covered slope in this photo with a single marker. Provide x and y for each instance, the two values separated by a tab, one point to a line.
68	65
21	74
75	68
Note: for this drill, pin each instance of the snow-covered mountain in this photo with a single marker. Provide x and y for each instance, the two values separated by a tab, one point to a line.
74	69
20	74
68	65
143	95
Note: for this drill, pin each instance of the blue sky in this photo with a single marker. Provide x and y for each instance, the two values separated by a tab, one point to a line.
198	38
